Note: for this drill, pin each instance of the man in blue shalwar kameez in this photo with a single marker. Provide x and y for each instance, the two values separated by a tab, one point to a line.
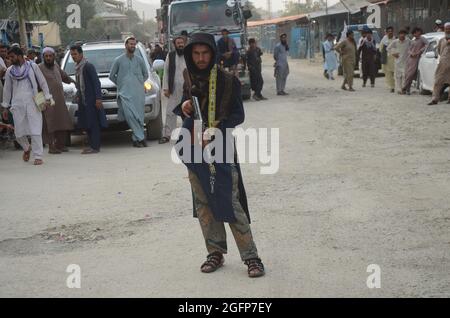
129	73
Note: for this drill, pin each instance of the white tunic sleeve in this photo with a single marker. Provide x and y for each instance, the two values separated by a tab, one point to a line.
7	91
42	81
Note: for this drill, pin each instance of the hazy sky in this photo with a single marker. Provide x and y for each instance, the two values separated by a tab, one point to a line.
276	4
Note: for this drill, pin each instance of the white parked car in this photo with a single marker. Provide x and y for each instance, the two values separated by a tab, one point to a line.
428	63
102	55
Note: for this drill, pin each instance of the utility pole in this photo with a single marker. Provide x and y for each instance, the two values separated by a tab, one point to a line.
269	8
348	9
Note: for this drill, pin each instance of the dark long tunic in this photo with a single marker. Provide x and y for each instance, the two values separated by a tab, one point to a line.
88	115
254	66
220	202
57	118
368	58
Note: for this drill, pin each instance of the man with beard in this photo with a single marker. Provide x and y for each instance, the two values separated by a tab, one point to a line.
57	120
217	186
173	85
254	62
22	82
129	73
91	115
280	55
442	76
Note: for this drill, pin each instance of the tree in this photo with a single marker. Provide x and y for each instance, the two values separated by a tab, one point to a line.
25	8
141	30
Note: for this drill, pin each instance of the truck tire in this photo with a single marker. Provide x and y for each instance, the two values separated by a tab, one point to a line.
154	127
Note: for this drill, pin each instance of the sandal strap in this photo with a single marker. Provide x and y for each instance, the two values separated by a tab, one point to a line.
254	263
213	260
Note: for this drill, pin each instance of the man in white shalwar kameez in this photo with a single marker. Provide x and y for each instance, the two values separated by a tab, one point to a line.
173	86
399	49
22	81
331	62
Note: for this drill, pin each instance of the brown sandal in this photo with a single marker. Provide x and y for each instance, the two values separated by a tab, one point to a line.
26	155
38	162
255	267
213	262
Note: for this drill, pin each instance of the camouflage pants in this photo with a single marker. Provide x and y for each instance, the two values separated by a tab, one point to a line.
213	231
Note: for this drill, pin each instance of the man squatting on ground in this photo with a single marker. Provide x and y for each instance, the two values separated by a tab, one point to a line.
218	190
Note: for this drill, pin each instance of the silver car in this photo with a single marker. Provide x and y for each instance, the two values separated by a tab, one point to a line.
102	56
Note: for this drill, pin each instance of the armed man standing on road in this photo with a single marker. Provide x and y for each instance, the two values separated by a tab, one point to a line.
173	85
218	190
129	73
280	55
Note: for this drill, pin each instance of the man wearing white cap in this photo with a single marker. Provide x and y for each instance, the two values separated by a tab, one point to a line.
173	81
442	76
57	120
438	26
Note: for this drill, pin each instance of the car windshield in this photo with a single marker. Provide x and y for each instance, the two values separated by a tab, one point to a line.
211	15
101	59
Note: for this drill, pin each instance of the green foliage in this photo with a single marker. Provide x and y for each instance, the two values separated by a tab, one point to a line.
27	8
92	28
257	13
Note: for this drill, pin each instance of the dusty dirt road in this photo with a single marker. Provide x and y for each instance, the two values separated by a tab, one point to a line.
363	179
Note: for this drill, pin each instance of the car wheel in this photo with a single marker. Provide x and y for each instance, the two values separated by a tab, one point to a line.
154	127
422	91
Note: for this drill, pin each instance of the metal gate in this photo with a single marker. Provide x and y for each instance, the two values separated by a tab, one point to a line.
301	43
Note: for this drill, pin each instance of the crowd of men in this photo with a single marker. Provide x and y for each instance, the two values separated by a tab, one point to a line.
34	107
25	75
399	57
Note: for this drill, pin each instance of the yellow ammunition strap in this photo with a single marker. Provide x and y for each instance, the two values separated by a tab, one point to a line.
212	97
